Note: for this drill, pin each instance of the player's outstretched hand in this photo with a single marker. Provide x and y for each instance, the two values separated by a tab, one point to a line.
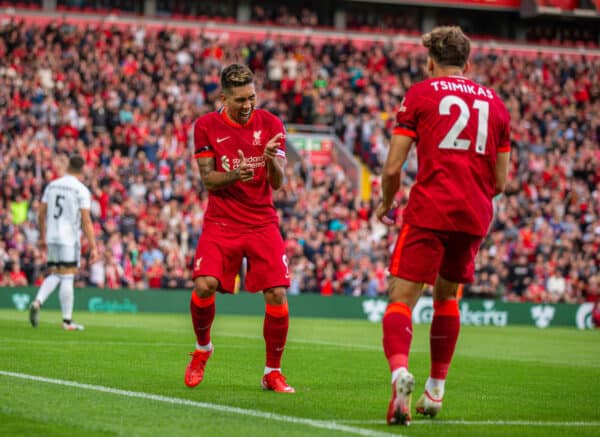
271	148
94	256
385	214
42	244
245	170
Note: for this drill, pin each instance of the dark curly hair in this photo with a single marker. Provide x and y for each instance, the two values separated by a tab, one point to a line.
235	75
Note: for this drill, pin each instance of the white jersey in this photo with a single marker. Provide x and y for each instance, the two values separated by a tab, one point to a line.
65	197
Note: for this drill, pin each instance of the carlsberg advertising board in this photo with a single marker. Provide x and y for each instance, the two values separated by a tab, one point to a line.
473	312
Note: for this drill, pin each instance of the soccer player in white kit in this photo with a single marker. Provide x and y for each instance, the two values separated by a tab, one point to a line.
64	212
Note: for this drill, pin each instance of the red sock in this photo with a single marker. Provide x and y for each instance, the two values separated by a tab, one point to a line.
397	334
275	331
203	314
443	335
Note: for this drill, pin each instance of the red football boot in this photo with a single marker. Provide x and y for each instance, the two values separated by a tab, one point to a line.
276	381
195	370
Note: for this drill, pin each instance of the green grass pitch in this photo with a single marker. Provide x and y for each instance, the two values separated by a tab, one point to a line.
123	375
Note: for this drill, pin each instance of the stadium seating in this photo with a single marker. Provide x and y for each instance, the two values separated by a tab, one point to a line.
125	99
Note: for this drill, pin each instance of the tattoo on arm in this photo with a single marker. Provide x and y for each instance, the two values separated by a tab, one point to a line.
213	179
206	165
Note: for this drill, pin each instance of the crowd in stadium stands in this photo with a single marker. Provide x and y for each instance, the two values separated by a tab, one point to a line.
125	101
283	16
565	34
387	17
407	20
357	17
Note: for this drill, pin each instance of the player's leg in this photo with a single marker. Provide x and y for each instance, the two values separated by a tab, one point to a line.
397	320
215	263
69	259
48	285
202	310
208	274
66	297
443	335
275	329
458	265
268	271
414	261
397	338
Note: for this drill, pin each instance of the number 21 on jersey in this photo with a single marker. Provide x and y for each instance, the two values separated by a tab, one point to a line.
451	140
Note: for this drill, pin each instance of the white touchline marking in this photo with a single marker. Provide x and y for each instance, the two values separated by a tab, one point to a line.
478	422
322	424
173	345
108	343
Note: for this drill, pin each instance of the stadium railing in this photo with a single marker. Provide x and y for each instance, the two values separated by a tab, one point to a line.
323	146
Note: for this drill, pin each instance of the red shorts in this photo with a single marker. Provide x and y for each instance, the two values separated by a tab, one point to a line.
421	254
220	252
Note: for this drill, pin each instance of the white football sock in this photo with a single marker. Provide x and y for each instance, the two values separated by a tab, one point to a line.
272	369
66	295
435	387
47	287
396	373
205	347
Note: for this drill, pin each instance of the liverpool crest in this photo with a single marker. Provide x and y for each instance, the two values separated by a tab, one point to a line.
257	134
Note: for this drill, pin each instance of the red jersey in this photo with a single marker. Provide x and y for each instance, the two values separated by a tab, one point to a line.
241	205
459	128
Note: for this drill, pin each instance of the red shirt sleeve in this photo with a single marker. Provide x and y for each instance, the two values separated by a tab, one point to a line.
202	147
406	118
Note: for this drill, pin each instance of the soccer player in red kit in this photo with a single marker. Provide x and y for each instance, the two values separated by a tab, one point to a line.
461	132
240	152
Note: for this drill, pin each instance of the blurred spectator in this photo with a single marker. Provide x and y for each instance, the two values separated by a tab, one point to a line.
282	15
556	286
18	209
16	277
596	314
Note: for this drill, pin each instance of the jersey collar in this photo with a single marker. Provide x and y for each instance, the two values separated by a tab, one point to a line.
232	123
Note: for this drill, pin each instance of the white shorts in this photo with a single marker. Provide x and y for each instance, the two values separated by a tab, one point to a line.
61	255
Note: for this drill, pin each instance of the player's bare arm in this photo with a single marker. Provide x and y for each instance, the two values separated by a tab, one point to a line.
501	171
215	180
275	163
392	170
42	221
88	230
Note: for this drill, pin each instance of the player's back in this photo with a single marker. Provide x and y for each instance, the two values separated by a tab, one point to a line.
460	126
65	197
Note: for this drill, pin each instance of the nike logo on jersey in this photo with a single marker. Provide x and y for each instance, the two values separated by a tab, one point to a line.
220	140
